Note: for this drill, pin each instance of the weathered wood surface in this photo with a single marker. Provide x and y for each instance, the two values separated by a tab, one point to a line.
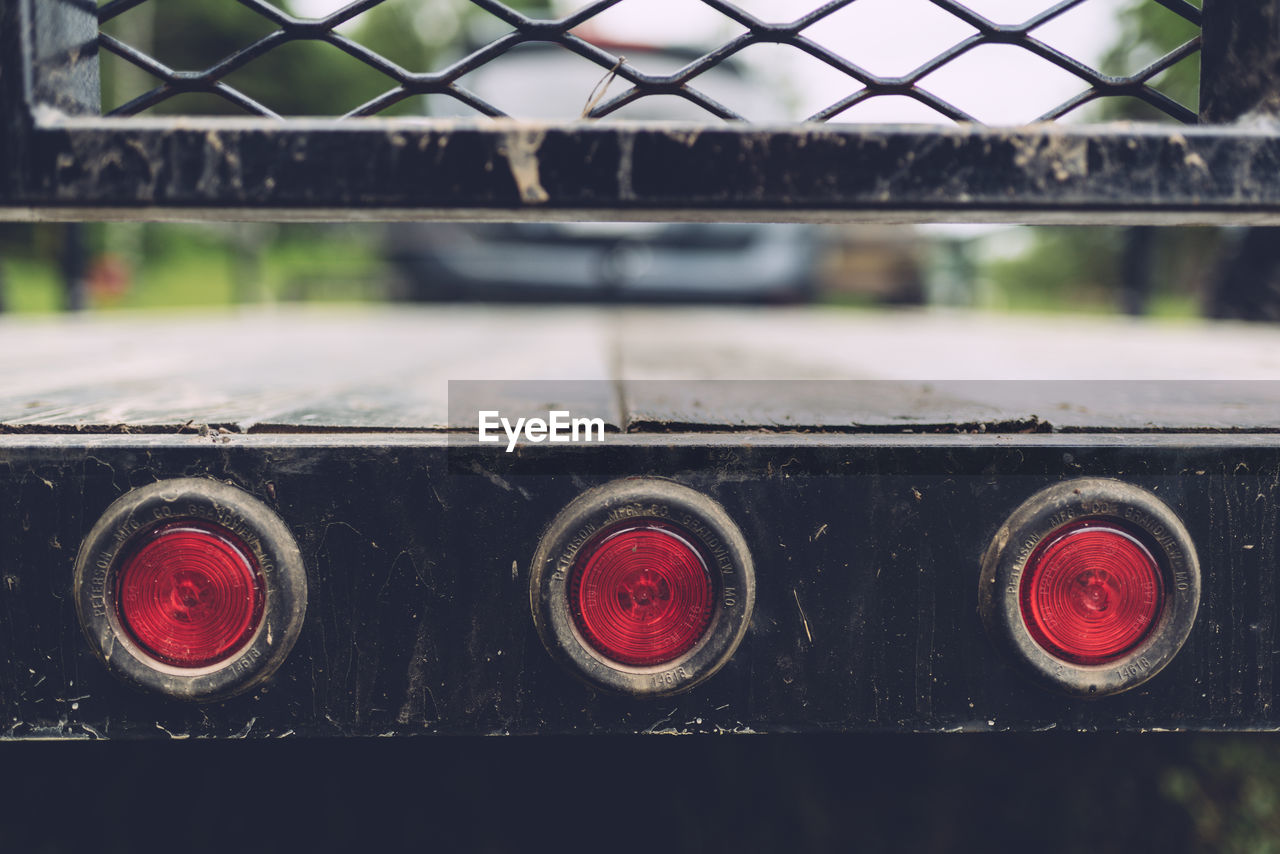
380	369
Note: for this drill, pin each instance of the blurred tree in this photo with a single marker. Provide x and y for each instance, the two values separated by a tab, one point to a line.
1061	266
1148	31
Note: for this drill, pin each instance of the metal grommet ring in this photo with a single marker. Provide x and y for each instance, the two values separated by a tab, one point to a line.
1133	511
267	542
702	523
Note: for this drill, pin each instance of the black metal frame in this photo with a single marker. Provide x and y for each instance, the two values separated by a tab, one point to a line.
64	161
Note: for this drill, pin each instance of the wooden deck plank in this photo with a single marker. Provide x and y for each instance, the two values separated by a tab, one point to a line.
389	368
361	369
934	370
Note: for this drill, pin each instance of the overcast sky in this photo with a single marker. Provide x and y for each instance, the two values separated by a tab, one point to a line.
998	84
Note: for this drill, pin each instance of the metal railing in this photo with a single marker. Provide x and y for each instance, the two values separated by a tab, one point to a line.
60	158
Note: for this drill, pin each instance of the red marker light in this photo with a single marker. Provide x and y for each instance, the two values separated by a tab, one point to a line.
190	593
641	593
1091	592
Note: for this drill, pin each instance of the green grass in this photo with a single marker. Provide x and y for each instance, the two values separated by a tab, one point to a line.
180	266
31	287
1078	270
184	277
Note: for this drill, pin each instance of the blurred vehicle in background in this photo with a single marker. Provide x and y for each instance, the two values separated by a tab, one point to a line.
605	261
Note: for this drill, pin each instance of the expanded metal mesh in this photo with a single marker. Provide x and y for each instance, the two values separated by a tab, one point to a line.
261	55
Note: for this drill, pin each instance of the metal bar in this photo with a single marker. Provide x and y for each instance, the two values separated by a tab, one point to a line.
1240	61
15	108
130	168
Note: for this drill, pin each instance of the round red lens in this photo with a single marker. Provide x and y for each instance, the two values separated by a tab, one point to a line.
1091	592
641	594
190	594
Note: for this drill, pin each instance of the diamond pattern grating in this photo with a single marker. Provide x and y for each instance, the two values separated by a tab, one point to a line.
397	84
